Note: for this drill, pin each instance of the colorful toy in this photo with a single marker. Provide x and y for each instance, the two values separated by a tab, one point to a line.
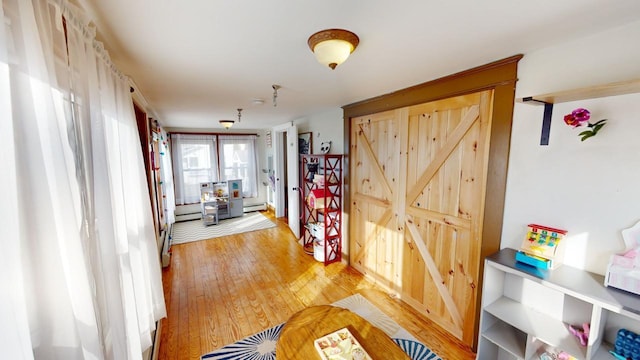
542	246
537	261
581	334
623	271
627	345
316	198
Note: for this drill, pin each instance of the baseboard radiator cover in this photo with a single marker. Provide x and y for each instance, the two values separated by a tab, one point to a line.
255	207
188	217
187	212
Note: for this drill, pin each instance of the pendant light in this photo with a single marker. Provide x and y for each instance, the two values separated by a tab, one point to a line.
227	124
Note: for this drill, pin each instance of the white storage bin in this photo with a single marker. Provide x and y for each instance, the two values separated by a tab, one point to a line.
318	251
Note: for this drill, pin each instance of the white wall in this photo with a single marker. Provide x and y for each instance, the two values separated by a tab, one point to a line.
328	126
596	59
324	126
589	188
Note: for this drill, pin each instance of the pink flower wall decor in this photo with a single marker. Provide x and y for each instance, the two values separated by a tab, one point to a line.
580	117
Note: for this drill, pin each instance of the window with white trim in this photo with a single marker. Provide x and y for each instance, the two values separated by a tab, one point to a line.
204	158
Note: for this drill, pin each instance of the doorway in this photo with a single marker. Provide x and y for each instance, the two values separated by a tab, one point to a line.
284	178
286	175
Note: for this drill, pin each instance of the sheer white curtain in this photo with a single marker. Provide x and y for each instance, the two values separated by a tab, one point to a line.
238	161
167	177
82	270
194	162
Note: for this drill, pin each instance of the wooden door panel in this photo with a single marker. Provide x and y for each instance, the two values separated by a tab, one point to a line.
375	252
439	303
372	223
447	189
418	177
375	143
443	151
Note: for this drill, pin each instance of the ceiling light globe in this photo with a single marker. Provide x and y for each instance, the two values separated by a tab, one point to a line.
332	52
333	46
227	123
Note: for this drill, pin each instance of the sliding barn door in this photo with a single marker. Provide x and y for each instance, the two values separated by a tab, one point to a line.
417	194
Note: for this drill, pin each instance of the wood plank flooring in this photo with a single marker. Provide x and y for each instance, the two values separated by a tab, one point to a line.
221	290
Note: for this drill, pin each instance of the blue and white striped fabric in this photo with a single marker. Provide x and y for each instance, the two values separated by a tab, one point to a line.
260	346
416	350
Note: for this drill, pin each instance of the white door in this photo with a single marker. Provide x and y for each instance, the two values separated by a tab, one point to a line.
293	198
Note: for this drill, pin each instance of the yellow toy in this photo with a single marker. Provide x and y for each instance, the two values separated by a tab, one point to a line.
541	247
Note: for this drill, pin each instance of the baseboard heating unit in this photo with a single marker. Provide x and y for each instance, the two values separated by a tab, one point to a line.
255	207
188	212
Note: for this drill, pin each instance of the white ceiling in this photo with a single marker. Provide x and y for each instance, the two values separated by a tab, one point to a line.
197	61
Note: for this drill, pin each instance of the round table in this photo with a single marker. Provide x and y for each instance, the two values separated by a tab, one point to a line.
299	332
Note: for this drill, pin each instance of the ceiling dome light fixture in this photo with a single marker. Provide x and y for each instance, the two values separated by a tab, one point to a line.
229	123
333	46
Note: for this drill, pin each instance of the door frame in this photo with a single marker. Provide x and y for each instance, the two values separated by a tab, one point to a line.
501	76
289	185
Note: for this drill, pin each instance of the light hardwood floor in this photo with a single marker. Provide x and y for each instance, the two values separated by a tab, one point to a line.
221	290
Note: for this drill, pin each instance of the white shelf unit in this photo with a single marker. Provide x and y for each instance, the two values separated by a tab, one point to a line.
526	310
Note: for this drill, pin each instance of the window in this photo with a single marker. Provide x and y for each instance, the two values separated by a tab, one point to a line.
196	157
194	162
238	161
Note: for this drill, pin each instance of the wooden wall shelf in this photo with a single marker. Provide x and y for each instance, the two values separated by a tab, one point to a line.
592	92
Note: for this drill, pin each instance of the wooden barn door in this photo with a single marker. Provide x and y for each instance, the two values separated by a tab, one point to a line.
418	177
